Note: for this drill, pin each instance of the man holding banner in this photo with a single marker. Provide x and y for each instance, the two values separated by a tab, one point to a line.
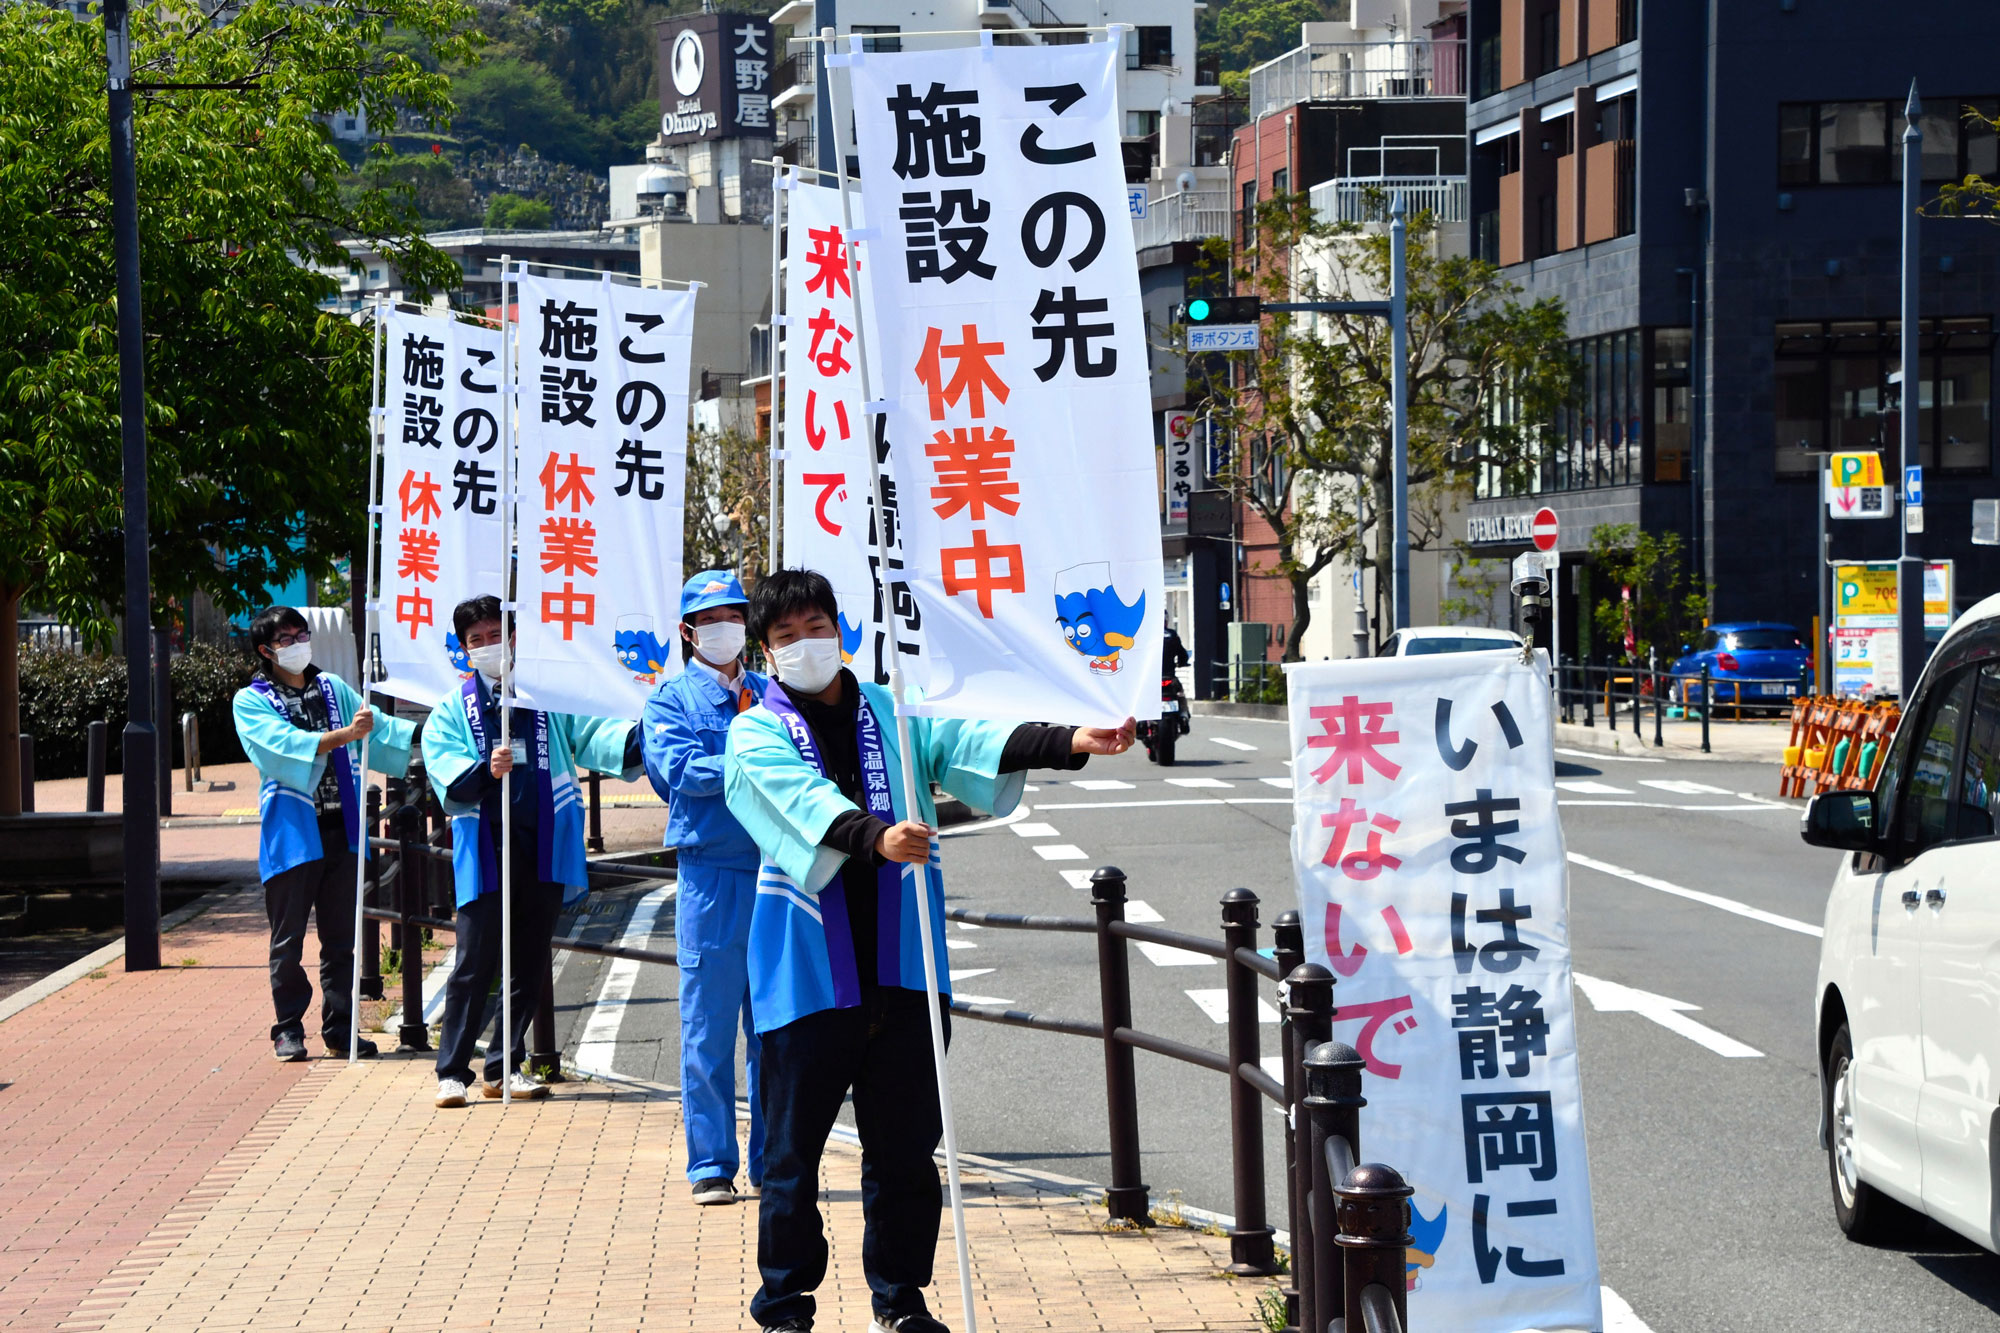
467	763
686	726
836	968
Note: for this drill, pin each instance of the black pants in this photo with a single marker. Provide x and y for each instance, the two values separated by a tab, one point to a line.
323	889
882	1050
536	907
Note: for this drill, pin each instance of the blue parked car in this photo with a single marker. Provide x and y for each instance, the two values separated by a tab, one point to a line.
1749	661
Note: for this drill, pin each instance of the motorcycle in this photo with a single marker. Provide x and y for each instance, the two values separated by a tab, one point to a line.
1175	721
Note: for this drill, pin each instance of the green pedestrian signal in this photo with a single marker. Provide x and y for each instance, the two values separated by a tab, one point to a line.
1214	310
1197	311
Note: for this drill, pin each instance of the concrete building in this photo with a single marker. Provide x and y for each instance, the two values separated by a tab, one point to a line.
1713	193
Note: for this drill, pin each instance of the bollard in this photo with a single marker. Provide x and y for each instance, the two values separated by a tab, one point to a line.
594	841
190	750
1706	706
412	874
163	712
1289	950
544	1059
1250	1240
1332	1110
1636	702
1309	1009
1374	1237
96	751
369	946
1126	1198
1589	699
27	774
1659	706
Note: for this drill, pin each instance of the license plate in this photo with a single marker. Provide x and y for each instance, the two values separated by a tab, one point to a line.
1774	689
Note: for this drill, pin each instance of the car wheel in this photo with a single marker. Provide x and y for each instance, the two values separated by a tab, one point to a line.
1863	1213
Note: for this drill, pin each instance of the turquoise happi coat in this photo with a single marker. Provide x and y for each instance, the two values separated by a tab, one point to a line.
786	806
290	765
558	745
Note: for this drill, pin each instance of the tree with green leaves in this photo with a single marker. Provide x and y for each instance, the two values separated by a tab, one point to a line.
1242	34
256	398
1309	411
1646	592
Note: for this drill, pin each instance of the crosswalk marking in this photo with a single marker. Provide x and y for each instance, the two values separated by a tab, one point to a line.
1142	911
1282	784
1059	851
1033	830
960	944
1682	787
600	1034
1101	784
1205	784
1166	955
964	973
1078	879
1234	745
1586	787
1215	1003
984	999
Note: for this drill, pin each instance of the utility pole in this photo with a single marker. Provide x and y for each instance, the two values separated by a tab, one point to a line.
141	740
824	19
1910	568
1399	410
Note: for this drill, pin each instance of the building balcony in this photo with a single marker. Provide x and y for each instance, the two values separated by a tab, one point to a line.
800	150
794	81
1367	199
1018	14
1358	71
1191	216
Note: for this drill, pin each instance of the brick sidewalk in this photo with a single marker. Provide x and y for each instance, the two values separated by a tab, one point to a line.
178	1178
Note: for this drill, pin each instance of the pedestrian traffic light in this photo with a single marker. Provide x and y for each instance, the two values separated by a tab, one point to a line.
1217	310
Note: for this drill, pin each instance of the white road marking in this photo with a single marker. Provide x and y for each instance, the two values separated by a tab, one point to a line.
967	925
1274	1065
1189	800
960	944
1669	805
1060	851
1138	909
984	999
1204	784
1618	1316
1696	895
1584	786
1682	787
1234	745
1609	997
434	980
961	973
600	1034
1166	955
1035	830
1029	786
1100	784
1215	1003
1019	813
1609	757
1283	784
1078	879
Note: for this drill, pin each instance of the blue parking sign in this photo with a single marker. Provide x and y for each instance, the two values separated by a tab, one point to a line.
1913	486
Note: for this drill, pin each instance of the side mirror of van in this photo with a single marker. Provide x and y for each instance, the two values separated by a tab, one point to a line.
1843	820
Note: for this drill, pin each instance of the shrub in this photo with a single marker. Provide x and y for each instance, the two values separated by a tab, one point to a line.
63	693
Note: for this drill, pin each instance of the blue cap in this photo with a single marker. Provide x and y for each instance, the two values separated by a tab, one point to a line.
712	587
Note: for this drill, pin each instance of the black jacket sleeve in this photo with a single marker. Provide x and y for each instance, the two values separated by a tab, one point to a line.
471	786
1038	745
855	832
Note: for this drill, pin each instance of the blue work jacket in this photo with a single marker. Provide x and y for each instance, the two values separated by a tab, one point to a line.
685	732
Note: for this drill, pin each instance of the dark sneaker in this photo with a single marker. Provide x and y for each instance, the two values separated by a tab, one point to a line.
908	1323
790	1326
291	1048
714	1190
336	1049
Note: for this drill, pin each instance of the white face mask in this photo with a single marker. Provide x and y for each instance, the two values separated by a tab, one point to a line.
807	664
719	642
293	657
487	661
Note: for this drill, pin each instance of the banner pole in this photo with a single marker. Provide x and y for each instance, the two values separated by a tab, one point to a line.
508	473
371	501
780	186
926	928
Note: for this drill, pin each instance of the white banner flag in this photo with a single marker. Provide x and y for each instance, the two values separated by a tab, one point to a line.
441	527
1016	380
602	483
1431	882
828	497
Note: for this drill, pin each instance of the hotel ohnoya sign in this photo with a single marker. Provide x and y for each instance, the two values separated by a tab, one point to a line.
715	77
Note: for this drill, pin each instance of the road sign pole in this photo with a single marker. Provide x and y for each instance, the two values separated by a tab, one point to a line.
1910	568
1399	408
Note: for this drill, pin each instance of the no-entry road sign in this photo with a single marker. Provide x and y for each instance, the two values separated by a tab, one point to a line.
1543	529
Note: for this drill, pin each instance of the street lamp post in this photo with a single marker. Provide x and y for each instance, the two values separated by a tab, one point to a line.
1910	567
141	740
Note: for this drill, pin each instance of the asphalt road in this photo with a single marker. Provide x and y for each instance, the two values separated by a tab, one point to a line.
1710	1189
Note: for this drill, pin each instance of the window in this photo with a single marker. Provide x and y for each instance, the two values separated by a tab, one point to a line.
1281	182
1149	47
1979	778
1672	406
1598	439
1141	124
1860	143
1247	225
1924	805
1764	641
879	37
1831	391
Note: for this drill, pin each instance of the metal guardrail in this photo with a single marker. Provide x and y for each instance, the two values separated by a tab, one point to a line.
1368	198
1188	215
1638	689
1343	71
1246	682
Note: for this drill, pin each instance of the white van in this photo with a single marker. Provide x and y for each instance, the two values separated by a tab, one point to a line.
1908	998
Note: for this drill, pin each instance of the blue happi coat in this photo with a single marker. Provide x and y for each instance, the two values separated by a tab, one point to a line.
786	805
289	762
462	732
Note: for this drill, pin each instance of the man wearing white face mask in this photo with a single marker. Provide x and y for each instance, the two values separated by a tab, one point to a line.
301	727
685	729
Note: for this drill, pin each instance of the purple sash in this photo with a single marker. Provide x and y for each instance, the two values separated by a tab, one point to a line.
343	764
472	692
881	803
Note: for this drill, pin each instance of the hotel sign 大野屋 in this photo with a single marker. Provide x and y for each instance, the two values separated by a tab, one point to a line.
715	77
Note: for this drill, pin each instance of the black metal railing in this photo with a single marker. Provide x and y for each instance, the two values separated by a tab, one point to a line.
1623	696
1248	682
1348	1219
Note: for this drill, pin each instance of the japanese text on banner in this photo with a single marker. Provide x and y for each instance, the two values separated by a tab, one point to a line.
829	505
602	477
1013	347
1431	882
442	530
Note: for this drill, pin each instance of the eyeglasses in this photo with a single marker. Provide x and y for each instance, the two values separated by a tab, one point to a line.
286	641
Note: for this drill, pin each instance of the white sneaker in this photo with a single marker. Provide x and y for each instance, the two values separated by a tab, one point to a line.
520	1085
450	1092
